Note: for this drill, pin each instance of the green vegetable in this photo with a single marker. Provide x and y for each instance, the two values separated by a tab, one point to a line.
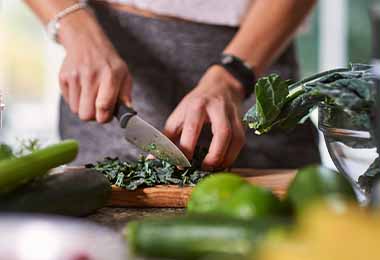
73	194
316	183
230	195
146	173
251	202
195	237
16	171
213	192
5	152
349	90
271	93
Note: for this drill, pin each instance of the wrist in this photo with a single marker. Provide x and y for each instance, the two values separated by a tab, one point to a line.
70	32
240	70
227	80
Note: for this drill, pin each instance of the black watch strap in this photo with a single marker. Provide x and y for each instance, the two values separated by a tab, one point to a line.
242	71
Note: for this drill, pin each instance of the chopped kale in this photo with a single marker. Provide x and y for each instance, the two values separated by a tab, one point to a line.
149	172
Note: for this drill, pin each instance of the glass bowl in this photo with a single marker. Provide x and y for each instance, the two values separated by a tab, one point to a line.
349	144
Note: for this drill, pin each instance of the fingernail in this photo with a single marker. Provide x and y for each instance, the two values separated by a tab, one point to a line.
103	117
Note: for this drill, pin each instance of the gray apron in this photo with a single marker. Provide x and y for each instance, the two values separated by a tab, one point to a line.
166	59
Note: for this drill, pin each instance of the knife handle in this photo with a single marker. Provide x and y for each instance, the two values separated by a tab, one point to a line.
123	113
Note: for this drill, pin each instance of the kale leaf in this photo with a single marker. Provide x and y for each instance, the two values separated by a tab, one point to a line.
350	90
271	93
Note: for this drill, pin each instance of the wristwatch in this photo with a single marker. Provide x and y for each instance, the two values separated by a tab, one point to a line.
241	70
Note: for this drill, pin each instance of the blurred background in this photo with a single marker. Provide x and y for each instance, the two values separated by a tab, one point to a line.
338	32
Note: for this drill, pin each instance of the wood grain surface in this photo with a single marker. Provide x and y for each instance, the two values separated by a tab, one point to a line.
171	196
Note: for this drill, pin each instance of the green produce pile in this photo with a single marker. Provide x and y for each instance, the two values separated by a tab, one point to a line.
16	170
69	194
281	105
228	218
149	172
25	185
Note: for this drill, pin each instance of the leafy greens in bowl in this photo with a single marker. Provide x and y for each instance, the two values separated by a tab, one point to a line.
282	105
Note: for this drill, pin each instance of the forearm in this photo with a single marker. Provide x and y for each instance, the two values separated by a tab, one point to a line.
267	29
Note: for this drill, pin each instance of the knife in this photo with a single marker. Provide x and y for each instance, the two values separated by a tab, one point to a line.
147	137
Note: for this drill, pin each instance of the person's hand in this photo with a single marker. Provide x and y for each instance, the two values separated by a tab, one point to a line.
93	76
216	99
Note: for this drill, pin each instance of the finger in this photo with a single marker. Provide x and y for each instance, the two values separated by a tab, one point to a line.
237	142
107	96
89	91
192	127
174	125
222	133
74	92
64	86
126	90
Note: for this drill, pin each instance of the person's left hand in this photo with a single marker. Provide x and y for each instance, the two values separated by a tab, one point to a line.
216	99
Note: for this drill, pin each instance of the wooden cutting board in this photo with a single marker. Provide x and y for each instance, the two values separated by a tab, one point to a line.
171	196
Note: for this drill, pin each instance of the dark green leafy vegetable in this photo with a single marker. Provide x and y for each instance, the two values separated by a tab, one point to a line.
148	172
350	90
271	93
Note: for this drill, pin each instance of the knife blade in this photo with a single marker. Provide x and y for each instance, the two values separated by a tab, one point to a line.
148	138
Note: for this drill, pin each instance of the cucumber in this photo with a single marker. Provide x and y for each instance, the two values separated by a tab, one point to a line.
194	237
17	171
71	194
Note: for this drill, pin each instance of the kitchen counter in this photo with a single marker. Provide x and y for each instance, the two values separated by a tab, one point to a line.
116	218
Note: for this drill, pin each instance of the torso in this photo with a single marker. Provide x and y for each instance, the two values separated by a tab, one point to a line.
216	12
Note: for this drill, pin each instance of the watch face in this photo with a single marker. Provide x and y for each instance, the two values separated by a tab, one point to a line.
226	59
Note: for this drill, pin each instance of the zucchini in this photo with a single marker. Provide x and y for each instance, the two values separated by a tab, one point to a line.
72	194
16	171
194	237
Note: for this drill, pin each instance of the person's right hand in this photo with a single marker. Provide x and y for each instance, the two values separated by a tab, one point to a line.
93	76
